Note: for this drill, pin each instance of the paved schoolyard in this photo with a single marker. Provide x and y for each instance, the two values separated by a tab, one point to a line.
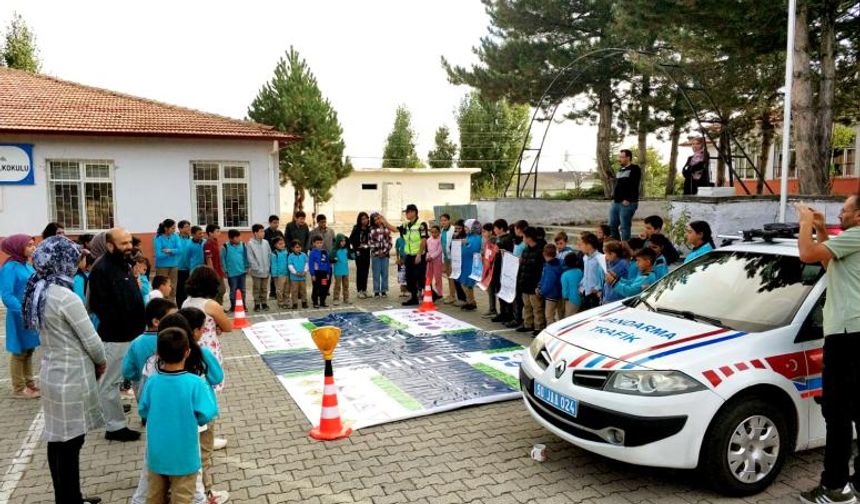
478	454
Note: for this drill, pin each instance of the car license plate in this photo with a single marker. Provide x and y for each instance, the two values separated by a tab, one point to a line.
553	398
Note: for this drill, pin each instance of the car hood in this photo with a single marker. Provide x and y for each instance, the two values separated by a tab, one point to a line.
618	337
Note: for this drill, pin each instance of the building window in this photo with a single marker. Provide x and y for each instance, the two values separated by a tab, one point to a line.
446	186
220	192
368	187
81	194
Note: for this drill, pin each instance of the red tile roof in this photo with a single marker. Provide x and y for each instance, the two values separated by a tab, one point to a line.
34	103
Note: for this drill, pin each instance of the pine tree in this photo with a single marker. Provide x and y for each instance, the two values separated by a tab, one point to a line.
399	149
492	133
292	102
19	46
442	156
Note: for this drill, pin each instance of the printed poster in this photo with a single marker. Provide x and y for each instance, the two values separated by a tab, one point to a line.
489	256
456	258
391	365
477	267
510	268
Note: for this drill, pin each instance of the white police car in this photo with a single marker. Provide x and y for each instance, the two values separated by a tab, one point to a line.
716	366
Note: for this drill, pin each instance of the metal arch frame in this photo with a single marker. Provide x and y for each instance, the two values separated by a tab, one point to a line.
663	67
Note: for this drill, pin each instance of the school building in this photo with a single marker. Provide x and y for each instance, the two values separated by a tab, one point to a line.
92	159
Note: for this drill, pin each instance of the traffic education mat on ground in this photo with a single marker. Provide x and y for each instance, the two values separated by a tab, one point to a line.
391	365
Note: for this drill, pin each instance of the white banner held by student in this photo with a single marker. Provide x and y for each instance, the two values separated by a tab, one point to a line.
510	268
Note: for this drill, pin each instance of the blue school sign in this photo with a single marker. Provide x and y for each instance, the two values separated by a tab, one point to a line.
16	164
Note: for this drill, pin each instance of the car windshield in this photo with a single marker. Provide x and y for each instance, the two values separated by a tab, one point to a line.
745	291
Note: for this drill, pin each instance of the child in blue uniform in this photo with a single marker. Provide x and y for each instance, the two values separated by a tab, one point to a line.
319	267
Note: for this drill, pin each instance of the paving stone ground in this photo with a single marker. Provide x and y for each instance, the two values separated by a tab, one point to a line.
478	454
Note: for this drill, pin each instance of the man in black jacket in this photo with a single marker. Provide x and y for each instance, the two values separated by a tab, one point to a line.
115	298
625	196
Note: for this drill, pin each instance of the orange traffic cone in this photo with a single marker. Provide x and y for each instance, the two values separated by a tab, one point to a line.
330	427
427	304
239	320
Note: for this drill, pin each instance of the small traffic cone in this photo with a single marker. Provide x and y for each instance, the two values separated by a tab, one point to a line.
330	427
239	320
427	304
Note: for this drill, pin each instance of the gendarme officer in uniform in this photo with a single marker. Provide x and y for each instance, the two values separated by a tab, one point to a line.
415	234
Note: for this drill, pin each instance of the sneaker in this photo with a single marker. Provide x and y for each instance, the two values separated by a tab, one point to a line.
323	305
256	307
513	324
296	307
219	443
27	393
448	300
500	318
385	294
335	303
92	500
304	306
218	497
125	434
265	307
469	307
489	315
823	495
525	329
315	306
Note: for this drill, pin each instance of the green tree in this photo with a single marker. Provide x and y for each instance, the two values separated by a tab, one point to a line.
442	155
529	42
492	133
292	102
19	46
399	149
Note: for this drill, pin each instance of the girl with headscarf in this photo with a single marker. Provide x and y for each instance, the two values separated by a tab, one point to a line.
74	358
20	341
359	240
471	246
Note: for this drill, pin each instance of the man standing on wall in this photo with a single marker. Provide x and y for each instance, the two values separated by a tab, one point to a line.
116	299
840	255
625	196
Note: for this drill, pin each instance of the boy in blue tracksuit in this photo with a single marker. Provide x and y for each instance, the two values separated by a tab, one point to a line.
174	403
570	282
625	287
280	271
658	243
297	264
143	347
234	260
319	268
549	288
194	253
618	265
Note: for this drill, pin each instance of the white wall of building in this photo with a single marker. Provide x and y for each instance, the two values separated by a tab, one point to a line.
151	178
394	189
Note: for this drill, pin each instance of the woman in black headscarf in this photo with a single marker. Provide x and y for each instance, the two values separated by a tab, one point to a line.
696	171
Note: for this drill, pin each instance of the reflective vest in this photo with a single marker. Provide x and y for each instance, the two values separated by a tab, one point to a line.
413	237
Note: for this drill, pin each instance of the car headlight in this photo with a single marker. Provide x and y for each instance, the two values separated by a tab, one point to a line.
537	345
652	383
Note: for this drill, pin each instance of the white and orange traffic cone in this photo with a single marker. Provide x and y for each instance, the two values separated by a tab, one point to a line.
239	319
427	304
331	427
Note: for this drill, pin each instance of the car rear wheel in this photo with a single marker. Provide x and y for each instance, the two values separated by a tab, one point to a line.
745	447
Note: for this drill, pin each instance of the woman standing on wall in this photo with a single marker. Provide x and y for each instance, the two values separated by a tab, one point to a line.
168	250
359	239
696	171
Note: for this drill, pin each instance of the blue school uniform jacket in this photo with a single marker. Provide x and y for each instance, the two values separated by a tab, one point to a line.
621	269
298	263
698	251
341	267
13	283
174	404
280	266
661	269
627	288
172	243
550	280
184	243
234	259
570	281
194	254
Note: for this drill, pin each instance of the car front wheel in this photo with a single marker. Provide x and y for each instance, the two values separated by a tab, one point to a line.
745	447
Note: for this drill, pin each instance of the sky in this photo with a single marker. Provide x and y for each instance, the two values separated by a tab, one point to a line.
368	57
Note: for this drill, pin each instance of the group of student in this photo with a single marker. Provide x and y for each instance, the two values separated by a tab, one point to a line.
555	280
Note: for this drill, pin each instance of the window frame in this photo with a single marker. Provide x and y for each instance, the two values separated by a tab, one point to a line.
219	184
81	182
446	188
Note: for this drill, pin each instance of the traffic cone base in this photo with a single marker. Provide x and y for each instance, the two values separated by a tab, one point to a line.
239	319
427	304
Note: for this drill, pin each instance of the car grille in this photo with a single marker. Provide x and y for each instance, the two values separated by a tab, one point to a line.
590	378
